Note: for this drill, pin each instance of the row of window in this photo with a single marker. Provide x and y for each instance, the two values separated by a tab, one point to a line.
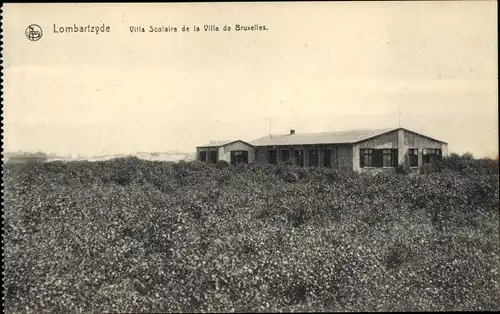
378	157
368	157
389	157
212	156
298	157
237	156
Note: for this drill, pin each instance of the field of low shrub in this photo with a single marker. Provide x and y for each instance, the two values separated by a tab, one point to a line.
129	235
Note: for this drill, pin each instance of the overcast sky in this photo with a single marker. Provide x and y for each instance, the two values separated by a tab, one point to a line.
319	67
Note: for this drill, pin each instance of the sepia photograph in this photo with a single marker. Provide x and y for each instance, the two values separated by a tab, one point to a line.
250	157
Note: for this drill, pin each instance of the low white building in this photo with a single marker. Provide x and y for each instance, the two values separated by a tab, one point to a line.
357	150
231	151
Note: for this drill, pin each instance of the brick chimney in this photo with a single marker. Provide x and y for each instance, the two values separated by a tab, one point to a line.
292	132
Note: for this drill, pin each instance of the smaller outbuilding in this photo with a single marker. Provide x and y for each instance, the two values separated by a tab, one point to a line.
234	152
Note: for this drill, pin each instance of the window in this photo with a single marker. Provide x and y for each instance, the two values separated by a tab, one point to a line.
272	158
431	155
313	157
413	157
366	158
212	156
203	156
239	157
299	157
389	157
369	157
327	158
256	155
284	155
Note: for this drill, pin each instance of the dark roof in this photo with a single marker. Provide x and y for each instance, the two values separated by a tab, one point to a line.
339	137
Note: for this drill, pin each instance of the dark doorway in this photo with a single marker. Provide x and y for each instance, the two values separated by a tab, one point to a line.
203	156
272	157
212	156
413	157
299	158
327	158
313	157
239	157
285	155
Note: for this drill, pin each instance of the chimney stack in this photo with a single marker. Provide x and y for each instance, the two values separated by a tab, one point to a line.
292	132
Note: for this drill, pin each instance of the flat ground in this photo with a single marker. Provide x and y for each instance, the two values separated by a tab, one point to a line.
130	235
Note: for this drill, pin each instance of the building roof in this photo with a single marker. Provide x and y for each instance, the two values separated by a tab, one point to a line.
217	144
339	137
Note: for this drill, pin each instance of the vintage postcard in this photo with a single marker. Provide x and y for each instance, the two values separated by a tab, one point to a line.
250	157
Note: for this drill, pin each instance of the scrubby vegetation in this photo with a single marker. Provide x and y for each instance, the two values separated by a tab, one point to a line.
129	235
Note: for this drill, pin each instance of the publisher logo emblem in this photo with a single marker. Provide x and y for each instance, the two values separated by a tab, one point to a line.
34	32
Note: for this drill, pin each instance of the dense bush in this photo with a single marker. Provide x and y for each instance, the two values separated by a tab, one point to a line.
129	235
290	162
221	164
465	163
403	169
291	176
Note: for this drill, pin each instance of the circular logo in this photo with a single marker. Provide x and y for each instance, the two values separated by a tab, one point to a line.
34	32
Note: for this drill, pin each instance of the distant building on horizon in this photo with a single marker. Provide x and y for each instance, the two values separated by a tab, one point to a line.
357	150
